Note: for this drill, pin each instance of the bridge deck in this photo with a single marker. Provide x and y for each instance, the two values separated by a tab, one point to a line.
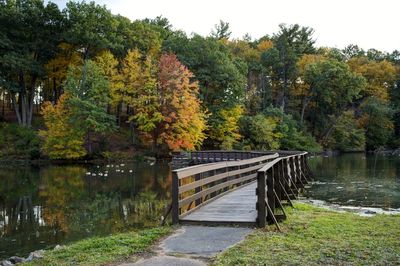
236	207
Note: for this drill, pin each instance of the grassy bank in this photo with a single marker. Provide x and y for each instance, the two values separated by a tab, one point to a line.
314	236
103	250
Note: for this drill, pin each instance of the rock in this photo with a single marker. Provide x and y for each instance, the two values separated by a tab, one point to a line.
16	259
6	263
38	254
59	247
369	212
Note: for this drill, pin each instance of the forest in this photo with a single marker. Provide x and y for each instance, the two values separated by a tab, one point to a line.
82	82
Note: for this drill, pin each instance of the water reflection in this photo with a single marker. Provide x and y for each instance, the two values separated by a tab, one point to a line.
357	180
44	206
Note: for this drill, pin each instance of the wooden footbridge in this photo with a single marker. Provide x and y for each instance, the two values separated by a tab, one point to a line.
235	187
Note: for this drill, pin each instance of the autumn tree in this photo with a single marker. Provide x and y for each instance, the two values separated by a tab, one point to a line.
57	70
380	76
62	139
183	120
224	132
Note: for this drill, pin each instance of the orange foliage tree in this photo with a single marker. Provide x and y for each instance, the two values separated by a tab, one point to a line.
183	120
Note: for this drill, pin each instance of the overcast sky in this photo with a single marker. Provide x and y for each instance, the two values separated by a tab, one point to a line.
337	23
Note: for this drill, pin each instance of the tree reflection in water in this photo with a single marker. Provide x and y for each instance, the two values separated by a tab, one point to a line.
49	205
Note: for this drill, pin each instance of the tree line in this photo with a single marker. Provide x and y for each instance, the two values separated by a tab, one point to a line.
99	80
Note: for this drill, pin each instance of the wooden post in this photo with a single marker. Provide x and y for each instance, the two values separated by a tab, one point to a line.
292	171
298	171
175	198
270	190
198	189
301	170
278	179
261	194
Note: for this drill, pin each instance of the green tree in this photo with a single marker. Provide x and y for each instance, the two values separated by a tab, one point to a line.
289	44
221	31
293	137
377	121
347	135
30	34
222	79
260	132
88	91
90	27
333	88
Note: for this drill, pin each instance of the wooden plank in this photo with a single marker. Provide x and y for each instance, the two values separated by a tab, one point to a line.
236	206
205	192
217	177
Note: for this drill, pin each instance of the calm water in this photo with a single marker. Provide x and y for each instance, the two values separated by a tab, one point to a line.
41	207
357	180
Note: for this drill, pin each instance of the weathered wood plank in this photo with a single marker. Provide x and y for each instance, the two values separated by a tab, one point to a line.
236	206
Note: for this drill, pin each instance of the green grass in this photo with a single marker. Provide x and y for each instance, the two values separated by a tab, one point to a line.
314	236
103	250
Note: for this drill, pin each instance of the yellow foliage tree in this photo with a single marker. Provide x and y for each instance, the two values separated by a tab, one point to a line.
128	80
379	75
265	45
226	129
61	139
57	68
108	64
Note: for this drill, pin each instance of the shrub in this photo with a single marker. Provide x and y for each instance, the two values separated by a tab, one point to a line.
18	142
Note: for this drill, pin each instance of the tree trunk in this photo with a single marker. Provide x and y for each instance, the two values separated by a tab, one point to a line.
306	101
16	108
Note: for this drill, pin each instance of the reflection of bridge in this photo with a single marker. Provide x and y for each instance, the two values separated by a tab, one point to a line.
238	187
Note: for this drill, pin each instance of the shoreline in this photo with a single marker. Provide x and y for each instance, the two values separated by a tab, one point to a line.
364	211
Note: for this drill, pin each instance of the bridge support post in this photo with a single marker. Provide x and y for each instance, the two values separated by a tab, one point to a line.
270	190
175	198
261	195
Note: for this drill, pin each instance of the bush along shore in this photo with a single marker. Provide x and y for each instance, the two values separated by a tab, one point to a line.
96	250
316	236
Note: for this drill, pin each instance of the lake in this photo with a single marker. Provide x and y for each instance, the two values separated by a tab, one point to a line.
41	207
357	180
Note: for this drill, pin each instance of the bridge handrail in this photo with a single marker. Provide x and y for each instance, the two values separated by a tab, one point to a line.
196	185
196	169
218	179
277	181
221	155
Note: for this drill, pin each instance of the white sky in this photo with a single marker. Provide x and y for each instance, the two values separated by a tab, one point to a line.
337	23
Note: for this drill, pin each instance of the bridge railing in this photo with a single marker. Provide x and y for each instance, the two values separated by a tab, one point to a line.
209	156
194	186
278	181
